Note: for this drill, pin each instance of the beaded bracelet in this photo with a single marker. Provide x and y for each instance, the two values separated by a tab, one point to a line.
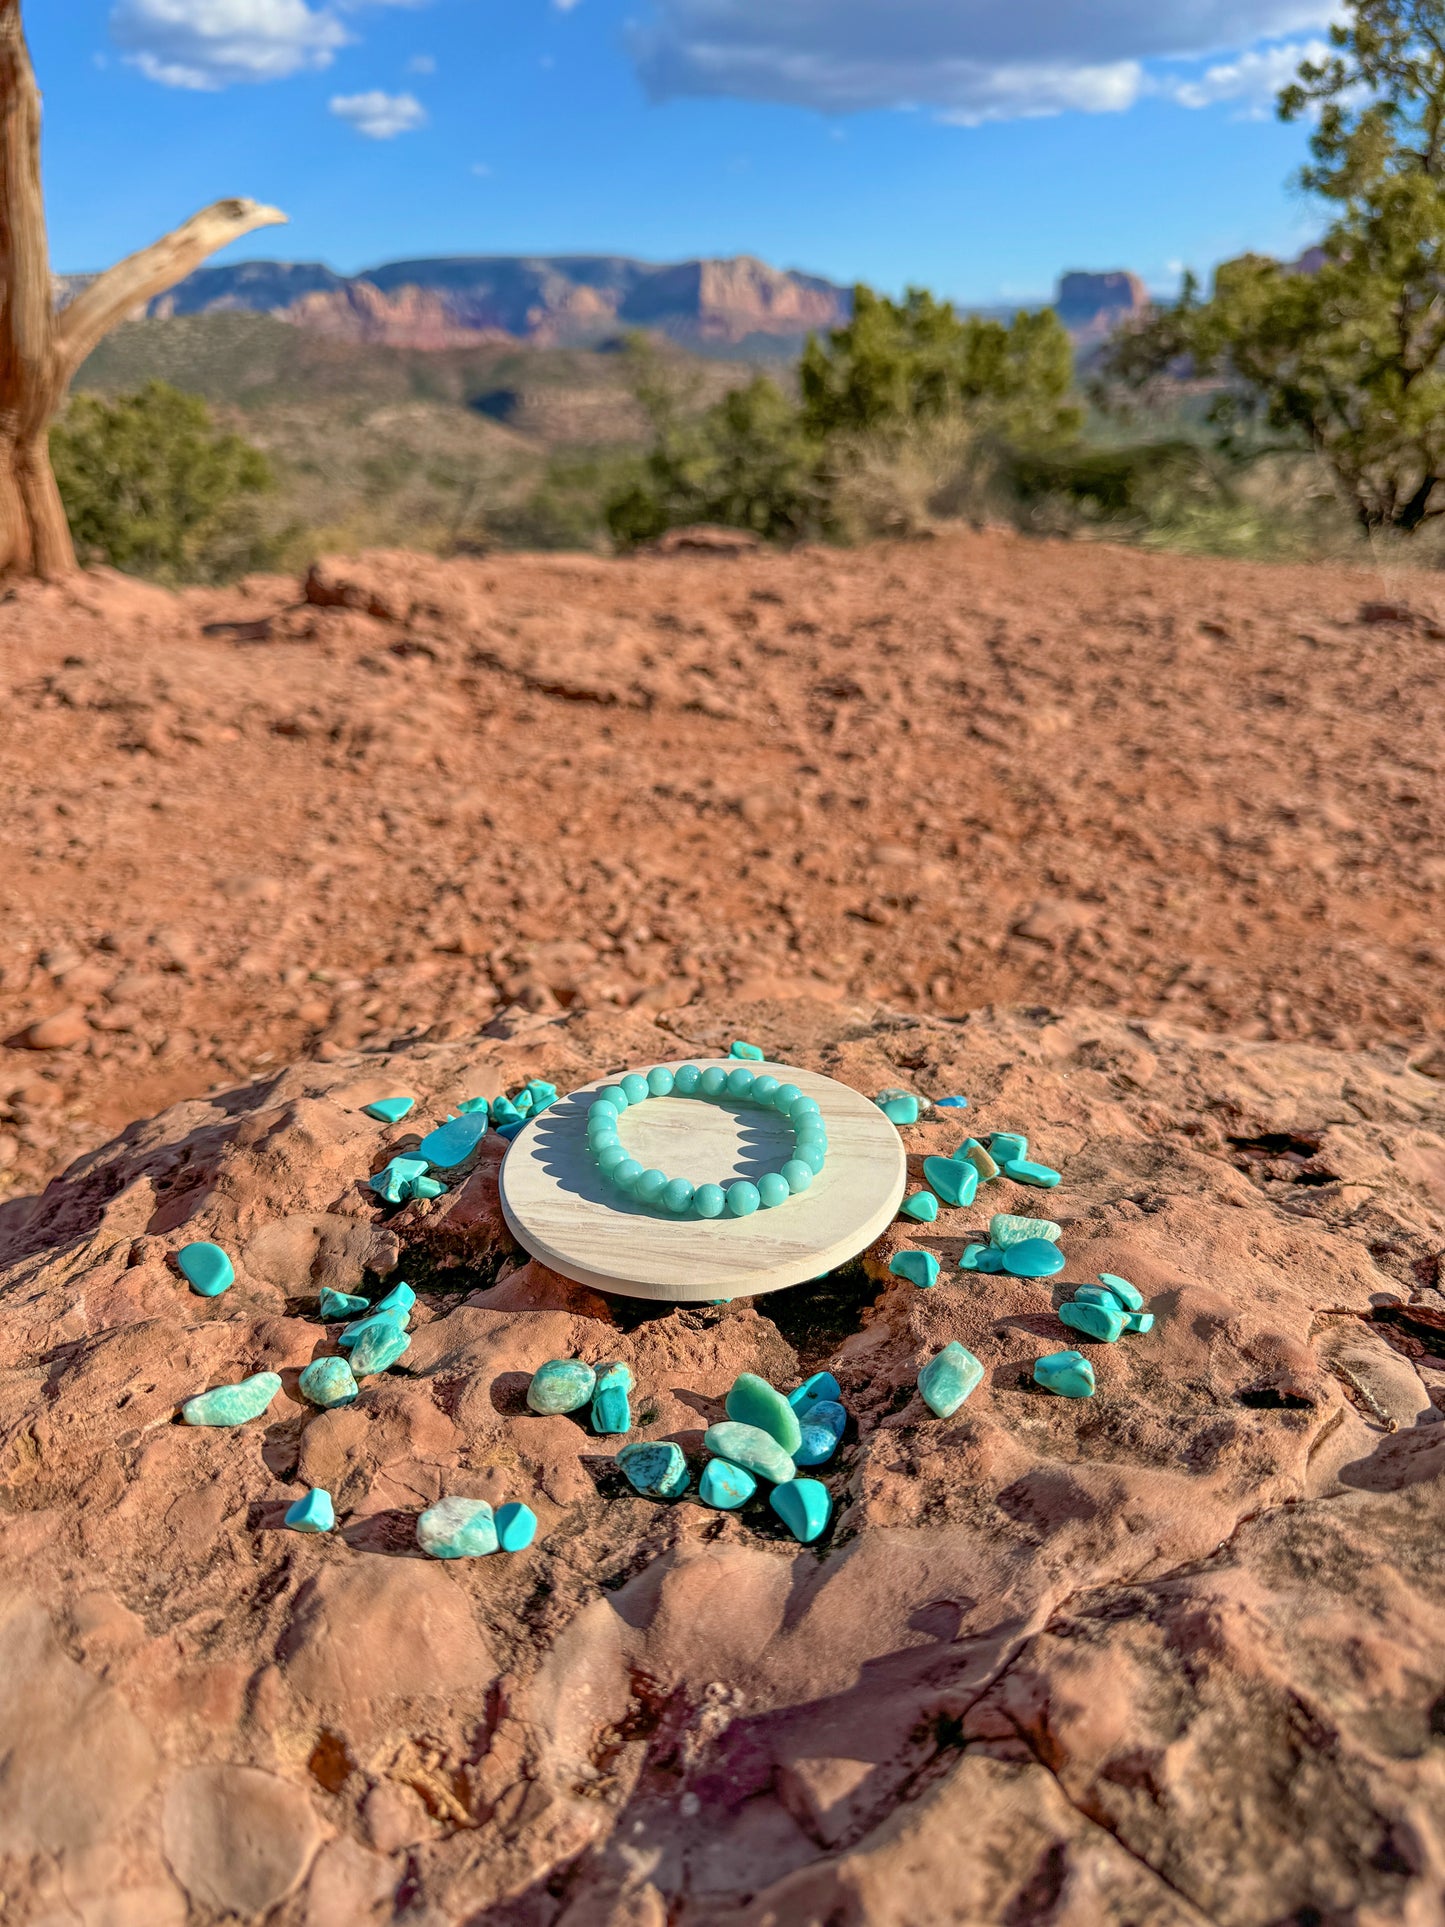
739	1200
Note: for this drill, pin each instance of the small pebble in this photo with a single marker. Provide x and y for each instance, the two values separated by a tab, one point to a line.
750	1448
399	1299
340	1304
1068	1373
980	1159
820	1385
752	1401
951	1103
1033	1258
748	1052
1129	1296
327	1382
946	1381
452	1143
457	1529
954	1179
657	1471
803	1506
725	1486
232	1404
314	1513
901	1108
378	1348
611	1412
207	1269
1022	1172
1005	1146
1005	1228
1096	1321
516	1526
920	1266
922	1205
389	1110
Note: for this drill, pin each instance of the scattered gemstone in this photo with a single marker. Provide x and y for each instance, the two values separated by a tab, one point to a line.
1097	1295
899	1109
232	1404
1022	1172
350	1335
920	1266
516	1526
816	1446
457	1529
389	1110
1033	1258
561	1385
541	1093
946	1381
340	1304
400	1298
452	1143
207	1268
820	1385
469	1104
1129	1296
378	1348
1005	1146
954	1179
826	1411
522	1104
1005	1228
503	1111
314	1513
981	1160
611	1412
657	1471
509	1128
396	1182
327	1382
951	1103
803	1506
922	1205
754	1450
725	1485
749	1052
1138	1321
971	1256
1068	1373
1096	1321
752	1401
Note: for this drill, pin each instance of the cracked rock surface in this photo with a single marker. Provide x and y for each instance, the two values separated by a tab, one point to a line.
1169	1656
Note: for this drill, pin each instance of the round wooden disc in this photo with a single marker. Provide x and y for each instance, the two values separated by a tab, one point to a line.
562	1210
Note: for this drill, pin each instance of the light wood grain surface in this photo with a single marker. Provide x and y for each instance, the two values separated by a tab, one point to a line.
561	1209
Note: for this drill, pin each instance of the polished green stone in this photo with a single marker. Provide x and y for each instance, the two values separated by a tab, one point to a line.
981	1160
396	1182
1129	1296
1096	1321
803	1506
1006	1228
611	1411
817	1446
1068	1373
1097	1295
340	1304
473	1104
522	1103
378	1348
561	1385
516	1526
725	1486
922	1206
1033	1258
314	1513
1005	1146
1023	1172
899	1107
951	1103
232	1404
743	1199
821	1385
1138	1321
749	1052
658	1471
327	1382
752	1401
350	1335
389	1110
457	1529
985	1258
206	1268
920	1266
399	1299
750	1447
946	1380
503	1111
954	1179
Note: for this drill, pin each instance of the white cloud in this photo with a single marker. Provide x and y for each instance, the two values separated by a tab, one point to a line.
1253	79
422	64
381	117
207	44
967	60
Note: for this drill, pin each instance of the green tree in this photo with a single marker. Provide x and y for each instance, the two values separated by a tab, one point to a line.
1347	359
151	486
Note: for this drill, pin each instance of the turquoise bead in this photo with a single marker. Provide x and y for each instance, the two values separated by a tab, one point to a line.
749	1051
339	1304
1033	1258
677	1196
743	1199
773	1190
740	1083
650	1186
611	1412
232	1404
561	1385
389	1110
821	1385
516	1526
947	1380
452	1143
685	1080
400	1298
1005	1146
725	1486
814	1156
954	1179
602	1139
817	1445
378	1348
710	1200
746	1445
714	1081
207	1269
803	1506
1095	1321
1068	1373
611	1156
635	1088
599	1111
802	1107
920	1266
1022	1172
457	1529
660	1081
922	1205
657	1471
752	1401
785	1097
626	1174
1007	1228
765	1089
314	1513
797	1174
1129	1296
327	1382
614	1095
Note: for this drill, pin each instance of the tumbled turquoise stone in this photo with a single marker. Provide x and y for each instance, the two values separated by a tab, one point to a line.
232	1404
902	1109
748	1446
752	1401
920	1266
658	1471
473	1104
773	1190
685	1080
677	1196
803	1506
1068	1373
710	1200
614	1095
1022	1172
400	1298
1138	1321
954	1179
390	1110
714	1081
635	1088
820	1385
541	1093
766	1088
951	1103
980	1158
349	1335
1129	1296
946	1381
816	1446
503	1111
1097	1295
826	1411
987	1258
743	1199
314	1513
748	1051
452	1143
457	1529
395	1182
207	1268
506	1130
340	1304
1096	1320
660	1081
328	1381
650	1186
626	1174
725	1486
433	1187
516	1526
561	1385
797	1174
1005	1146
611	1412
1005	1228
378	1348
922	1205
1033	1258
522	1103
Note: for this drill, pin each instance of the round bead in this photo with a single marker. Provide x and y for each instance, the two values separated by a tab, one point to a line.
808	1141
803	1107
609	1157
602	1140
626	1174
796	1174
685	1079
710	1201
765	1089
740	1083
714	1081
678	1195
773	1189
650	1186
635	1088
660	1081
614	1095
785	1097
743	1199
813	1157
601	1108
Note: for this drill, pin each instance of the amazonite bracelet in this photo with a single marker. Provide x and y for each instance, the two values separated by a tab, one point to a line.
741	1198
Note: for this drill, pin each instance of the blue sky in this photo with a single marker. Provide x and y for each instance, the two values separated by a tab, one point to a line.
974	146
